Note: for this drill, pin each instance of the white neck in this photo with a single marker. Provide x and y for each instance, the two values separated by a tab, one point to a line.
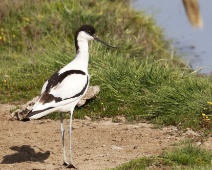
83	45
82	57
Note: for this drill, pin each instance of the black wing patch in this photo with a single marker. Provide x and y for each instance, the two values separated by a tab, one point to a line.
47	98
56	78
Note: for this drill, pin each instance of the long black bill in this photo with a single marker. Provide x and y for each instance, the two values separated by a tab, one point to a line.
97	39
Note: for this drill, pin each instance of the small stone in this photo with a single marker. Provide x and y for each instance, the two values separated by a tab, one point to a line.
191	133
135	147
116	148
87	118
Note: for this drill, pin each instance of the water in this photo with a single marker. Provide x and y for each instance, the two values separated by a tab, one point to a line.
194	43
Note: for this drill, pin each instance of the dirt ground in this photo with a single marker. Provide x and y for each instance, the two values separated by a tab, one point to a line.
97	145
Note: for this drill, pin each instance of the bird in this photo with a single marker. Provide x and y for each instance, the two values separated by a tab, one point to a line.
64	89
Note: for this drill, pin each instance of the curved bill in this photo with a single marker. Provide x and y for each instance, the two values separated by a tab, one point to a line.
97	39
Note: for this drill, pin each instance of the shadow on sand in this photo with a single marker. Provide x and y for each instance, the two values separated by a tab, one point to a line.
25	153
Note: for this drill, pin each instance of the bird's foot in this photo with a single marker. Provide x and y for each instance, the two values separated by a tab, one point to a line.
69	165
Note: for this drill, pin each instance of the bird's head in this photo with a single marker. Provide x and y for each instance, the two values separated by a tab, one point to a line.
87	32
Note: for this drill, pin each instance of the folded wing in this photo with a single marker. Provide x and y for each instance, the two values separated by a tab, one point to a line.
60	90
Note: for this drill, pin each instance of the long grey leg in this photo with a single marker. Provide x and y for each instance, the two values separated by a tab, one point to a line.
63	142
71	165
70	131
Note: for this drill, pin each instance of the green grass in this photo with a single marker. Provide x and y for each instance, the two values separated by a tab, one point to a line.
141	80
184	157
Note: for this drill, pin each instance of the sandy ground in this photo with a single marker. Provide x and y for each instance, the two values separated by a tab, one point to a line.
97	145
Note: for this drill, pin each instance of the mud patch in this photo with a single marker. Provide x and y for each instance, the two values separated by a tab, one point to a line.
97	145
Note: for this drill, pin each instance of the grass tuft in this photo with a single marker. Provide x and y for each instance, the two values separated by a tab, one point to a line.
186	157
